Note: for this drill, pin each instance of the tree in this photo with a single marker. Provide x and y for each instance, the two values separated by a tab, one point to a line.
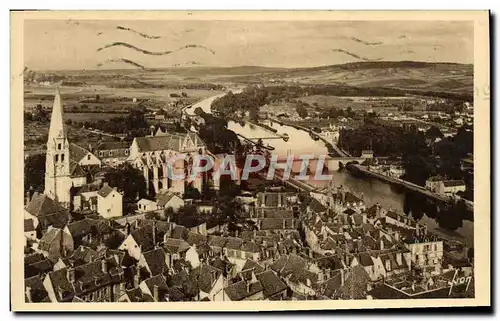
302	111
34	172
432	133
129	180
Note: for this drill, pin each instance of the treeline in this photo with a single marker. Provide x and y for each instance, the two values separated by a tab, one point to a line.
421	156
252	98
134	124
141	84
448	216
214	132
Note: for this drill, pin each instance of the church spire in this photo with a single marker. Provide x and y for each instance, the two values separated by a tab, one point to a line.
57	126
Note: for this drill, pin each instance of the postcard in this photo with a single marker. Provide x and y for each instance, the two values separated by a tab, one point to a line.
249	160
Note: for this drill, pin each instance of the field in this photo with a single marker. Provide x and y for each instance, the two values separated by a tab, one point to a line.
81	117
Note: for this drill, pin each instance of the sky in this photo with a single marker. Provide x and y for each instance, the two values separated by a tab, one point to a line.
73	44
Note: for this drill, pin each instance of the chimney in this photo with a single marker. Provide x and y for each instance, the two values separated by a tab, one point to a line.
284	224
122	288
154	232
70	274
28	293
381	243
137	278
104	266
155	293
342	277
248	286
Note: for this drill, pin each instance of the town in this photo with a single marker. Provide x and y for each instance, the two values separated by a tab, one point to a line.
111	226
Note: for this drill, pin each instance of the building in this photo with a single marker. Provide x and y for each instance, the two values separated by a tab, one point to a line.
66	164
145	205
451	187
58	180
433	183
426	253
56	243
156	156
109	202
113	153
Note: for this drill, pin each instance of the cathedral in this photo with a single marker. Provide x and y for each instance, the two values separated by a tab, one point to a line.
151	155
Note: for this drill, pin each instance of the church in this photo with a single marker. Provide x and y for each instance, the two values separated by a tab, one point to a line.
151	155
66	169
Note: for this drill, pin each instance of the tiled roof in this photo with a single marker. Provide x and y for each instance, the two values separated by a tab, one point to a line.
250	264
41	205
77	153
155	260
163	198
112	145
207	275
271	283
176	245
38	268
37	290
316	206
28	225
196	238
105	191
238	291
144	237
48	238
453	183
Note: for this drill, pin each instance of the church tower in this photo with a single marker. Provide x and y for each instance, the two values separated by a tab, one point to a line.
57	172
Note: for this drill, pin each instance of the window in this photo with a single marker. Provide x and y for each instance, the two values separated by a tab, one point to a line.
435	247
59	146
110	153
62	157
88	157
126	152
56	158
101	153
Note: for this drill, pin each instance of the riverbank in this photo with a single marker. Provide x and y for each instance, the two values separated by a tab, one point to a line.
332	151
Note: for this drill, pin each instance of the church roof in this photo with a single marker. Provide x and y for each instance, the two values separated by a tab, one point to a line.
167	141
57	126
42	205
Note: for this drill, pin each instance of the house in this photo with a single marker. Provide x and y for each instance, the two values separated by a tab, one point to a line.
155	287
34	290
82	156
426	253
451	187
30	229
273	287
99	281
156	261
145	205
210	282
45	212
55	243
113	153
139	240
244	291
109	202
167	199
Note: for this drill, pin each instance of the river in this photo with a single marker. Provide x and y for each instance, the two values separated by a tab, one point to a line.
300	143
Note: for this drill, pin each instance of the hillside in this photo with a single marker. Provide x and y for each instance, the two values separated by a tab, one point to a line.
450	78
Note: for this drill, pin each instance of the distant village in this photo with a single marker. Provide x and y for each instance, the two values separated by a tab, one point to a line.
83	245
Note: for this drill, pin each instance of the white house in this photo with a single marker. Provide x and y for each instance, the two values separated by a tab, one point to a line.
145	205
109	202
426	253
451	187
166	199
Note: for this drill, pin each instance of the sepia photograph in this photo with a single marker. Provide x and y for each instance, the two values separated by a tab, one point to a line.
304	160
